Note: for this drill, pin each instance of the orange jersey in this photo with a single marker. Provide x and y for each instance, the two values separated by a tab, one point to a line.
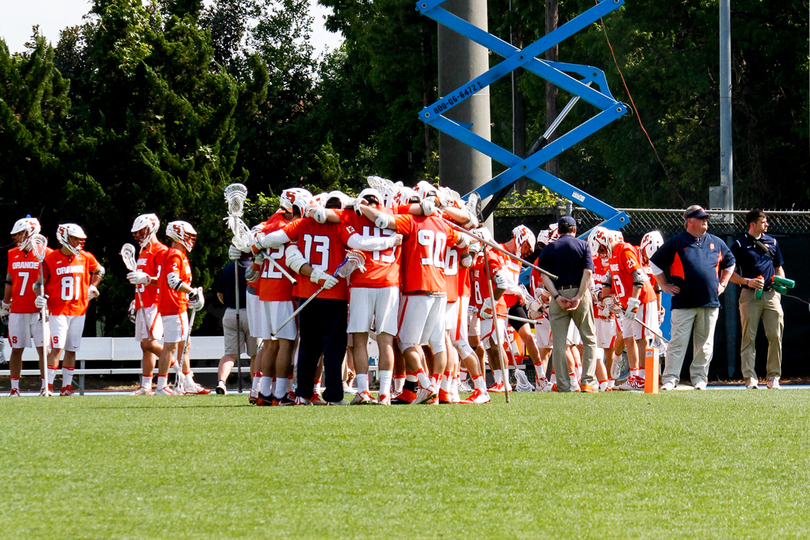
514	274
150	261
623	263
452	272
272	285
464	287
601	276
23	267
423	251
382	267
322	247
480	289
171	302
67	278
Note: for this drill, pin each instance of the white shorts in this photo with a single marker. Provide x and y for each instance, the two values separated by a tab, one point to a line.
66	331
272	314
24	329
542	333
246	341
148	324
605	332
646	312
175	328
421	322
573	337
253	308
488	334
373	309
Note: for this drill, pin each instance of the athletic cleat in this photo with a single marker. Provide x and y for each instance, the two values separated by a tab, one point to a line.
316	399
223	390
15	392
363	398
752	383
425	395
301	401
477	397
773	384
445	396
142	391
265	401
48	392
196	390
700	385
464	386
336	403
165	391
632	384
667	386
383	400
253	396
66	390
286	401
588	389
542	385
496	388
406	397
575	387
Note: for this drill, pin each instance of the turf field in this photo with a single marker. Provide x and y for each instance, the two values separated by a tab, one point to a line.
715	464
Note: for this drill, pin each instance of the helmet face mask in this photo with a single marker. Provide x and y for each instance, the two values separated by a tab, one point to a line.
71	236
28	226
144	229
524	240
603	240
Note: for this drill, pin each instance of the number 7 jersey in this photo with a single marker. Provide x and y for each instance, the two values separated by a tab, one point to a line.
23	267
67	278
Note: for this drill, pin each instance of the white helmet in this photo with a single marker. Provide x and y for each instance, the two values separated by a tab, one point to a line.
425	189
617	237
553	232
342	200
601	237
650	243
288	197
27	224
183	233
371	192
151	223
523	235
67	230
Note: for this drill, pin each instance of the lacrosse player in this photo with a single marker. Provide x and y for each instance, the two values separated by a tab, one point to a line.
148	322
175	296
18	308
538	310
604	318
71	276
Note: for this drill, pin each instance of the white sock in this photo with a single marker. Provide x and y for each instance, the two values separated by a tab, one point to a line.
189	379
385	381
67	376
399	384
281	388
497	376
256	382
146	382
641	372
424	380
15	382
51	374
479	383
267	385
161	381
538	370
44	383
176	367
446	379
290	384
362	382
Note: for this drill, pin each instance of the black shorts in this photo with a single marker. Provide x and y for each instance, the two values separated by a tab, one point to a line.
517	311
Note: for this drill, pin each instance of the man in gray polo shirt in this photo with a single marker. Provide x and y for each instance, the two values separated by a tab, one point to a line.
570	260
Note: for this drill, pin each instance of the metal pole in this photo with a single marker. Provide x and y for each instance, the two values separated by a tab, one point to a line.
238	344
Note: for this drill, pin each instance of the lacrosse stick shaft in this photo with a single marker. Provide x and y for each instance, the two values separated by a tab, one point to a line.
297	311
652	330
496	333
46	336
283	272
499	249
515	318
182	356
238	327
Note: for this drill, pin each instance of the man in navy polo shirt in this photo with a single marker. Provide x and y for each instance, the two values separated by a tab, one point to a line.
700	266
758	260
570	259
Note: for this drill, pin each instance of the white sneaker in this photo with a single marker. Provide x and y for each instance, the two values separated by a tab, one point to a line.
700	385
667	386
165	391
424	395
542	385
773	383
464	386
363	398
752	383
142	391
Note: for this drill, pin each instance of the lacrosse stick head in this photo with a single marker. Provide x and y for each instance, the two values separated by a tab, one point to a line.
39	246
385	187
242	236
128	256
28	225
355	260
235	195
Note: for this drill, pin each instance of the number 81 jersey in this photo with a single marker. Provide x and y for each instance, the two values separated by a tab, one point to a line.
67	278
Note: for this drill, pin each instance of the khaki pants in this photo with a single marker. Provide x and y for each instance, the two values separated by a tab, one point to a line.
769	310
583	319
699	322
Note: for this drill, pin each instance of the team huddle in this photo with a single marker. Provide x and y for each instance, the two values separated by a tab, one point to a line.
410	268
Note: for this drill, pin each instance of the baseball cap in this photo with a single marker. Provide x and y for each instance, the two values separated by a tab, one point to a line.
695	211
566	224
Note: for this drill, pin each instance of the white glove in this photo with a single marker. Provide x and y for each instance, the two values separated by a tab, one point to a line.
252	274
233	253
139	278
131	311
4	308
358	202
632	308
318	214
92	292
535	310
662	313
319	275
196	300
486	309
41	302
472	310
428	207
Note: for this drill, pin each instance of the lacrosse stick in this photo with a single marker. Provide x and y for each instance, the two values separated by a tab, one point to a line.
386	188
504	368
128	256
39	246
278	267
235	195
499	249
354	260
180	380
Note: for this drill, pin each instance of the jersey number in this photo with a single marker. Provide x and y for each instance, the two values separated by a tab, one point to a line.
618	287
321	244
477	290
24	276
70	288
434	243
368	232
270	269
451	262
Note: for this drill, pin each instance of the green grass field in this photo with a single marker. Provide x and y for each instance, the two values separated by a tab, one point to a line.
719	464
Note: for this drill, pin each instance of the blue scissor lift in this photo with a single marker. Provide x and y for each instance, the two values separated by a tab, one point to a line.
583	82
